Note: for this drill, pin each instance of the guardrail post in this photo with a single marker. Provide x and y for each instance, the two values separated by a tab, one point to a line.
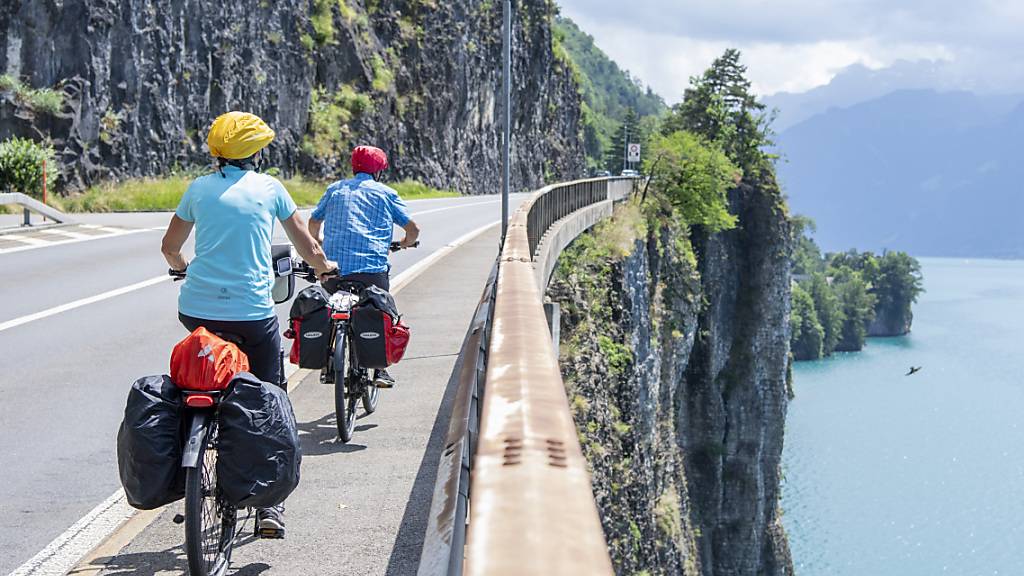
28	218
553	311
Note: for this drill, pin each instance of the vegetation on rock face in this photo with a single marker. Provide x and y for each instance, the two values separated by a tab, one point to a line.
613	100
21	166
852	295
163	194
43	100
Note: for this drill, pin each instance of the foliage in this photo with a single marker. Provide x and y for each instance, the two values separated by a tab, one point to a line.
43	100
720	107
850	289
161	194
329	134
608	92
807	334
829	311
694	176
21	165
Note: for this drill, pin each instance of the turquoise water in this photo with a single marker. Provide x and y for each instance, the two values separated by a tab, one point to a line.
887	474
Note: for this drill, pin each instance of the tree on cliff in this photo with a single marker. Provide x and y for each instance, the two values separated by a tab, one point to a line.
720	107
858	307
829	310
896	283
807	335
694	176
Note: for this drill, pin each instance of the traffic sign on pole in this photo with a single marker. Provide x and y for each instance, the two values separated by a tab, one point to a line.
633	153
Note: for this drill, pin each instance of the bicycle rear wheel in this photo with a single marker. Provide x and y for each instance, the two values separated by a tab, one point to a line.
344	410
209	520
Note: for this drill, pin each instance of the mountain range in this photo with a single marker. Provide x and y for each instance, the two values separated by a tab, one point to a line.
929	172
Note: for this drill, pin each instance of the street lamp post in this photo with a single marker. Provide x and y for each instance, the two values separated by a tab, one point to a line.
507	120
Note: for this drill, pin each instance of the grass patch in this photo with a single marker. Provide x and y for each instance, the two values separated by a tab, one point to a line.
163	194
41	100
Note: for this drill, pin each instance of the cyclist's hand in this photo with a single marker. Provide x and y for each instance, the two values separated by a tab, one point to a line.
406	244
325	275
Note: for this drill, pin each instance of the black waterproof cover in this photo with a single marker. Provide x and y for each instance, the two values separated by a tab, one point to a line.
311	327
368	328
258	451
149	444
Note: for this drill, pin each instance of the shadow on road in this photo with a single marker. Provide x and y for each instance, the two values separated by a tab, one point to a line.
320	437
405	556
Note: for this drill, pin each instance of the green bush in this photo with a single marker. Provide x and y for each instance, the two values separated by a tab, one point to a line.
21	165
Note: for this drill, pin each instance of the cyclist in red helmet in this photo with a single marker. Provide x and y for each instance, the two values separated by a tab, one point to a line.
357	217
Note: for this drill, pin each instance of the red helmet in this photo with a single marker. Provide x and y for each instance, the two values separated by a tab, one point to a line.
369	159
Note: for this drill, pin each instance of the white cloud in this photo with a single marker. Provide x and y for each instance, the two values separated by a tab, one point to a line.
796	45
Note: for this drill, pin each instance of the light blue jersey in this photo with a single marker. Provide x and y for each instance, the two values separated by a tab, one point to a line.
232	275
359	217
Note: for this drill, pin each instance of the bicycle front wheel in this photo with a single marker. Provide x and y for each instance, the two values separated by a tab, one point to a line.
209	520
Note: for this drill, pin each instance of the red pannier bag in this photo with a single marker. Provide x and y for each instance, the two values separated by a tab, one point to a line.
378	334
205	362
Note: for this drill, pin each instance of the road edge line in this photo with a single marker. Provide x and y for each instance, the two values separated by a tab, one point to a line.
137	521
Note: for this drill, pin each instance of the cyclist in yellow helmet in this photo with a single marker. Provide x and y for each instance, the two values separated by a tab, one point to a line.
228	283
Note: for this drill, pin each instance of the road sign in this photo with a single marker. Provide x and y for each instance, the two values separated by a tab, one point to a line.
633	153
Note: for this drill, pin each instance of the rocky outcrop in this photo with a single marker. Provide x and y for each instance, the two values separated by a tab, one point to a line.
891	320
676	361
143	79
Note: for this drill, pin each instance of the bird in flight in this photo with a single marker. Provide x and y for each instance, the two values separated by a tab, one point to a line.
914	370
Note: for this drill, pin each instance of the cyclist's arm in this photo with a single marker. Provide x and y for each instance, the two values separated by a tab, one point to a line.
412	233
314	229
175	237
308	248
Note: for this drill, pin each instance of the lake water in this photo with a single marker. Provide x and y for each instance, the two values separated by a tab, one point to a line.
887	474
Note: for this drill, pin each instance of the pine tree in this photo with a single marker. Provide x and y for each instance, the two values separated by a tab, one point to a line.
720	107
615	154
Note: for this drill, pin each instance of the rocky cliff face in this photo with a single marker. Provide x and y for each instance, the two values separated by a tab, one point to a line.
891	320
676	359
142	79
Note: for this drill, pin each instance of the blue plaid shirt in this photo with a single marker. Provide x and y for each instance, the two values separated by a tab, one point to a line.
358	216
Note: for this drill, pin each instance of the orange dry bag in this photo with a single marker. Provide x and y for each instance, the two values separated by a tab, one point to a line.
205	362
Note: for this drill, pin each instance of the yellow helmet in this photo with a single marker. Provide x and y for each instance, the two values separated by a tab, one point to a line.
238	135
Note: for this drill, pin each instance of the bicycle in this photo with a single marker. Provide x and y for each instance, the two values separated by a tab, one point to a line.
210	520
352	383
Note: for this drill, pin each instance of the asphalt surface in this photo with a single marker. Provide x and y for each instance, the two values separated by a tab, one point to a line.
64	378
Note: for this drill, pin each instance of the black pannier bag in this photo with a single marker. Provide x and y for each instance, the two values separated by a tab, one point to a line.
378	336
149	444
258	451
310	329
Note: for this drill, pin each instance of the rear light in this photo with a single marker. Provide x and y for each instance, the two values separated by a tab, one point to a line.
199	401
340	316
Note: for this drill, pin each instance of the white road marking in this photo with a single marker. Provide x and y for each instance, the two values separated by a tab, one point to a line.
68	549
47	244
79	303
64	552
25	239
452	207
65	233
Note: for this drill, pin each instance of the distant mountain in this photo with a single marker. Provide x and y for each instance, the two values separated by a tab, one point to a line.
935	174
858	83
609	92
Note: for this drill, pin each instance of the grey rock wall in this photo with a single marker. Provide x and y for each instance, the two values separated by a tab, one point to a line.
676	368
143	79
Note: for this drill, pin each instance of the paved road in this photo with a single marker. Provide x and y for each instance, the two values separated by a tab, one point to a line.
63	378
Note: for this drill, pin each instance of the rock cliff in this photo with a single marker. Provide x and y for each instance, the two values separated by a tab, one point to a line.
675	347
142	80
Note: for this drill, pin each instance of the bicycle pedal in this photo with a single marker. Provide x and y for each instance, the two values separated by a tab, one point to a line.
270	533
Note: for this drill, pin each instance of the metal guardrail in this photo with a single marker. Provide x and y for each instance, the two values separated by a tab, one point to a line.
512	461
31	205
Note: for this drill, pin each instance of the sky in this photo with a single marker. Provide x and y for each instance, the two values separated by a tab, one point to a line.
796	45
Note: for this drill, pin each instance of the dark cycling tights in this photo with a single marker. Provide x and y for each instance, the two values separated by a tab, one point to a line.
261	342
